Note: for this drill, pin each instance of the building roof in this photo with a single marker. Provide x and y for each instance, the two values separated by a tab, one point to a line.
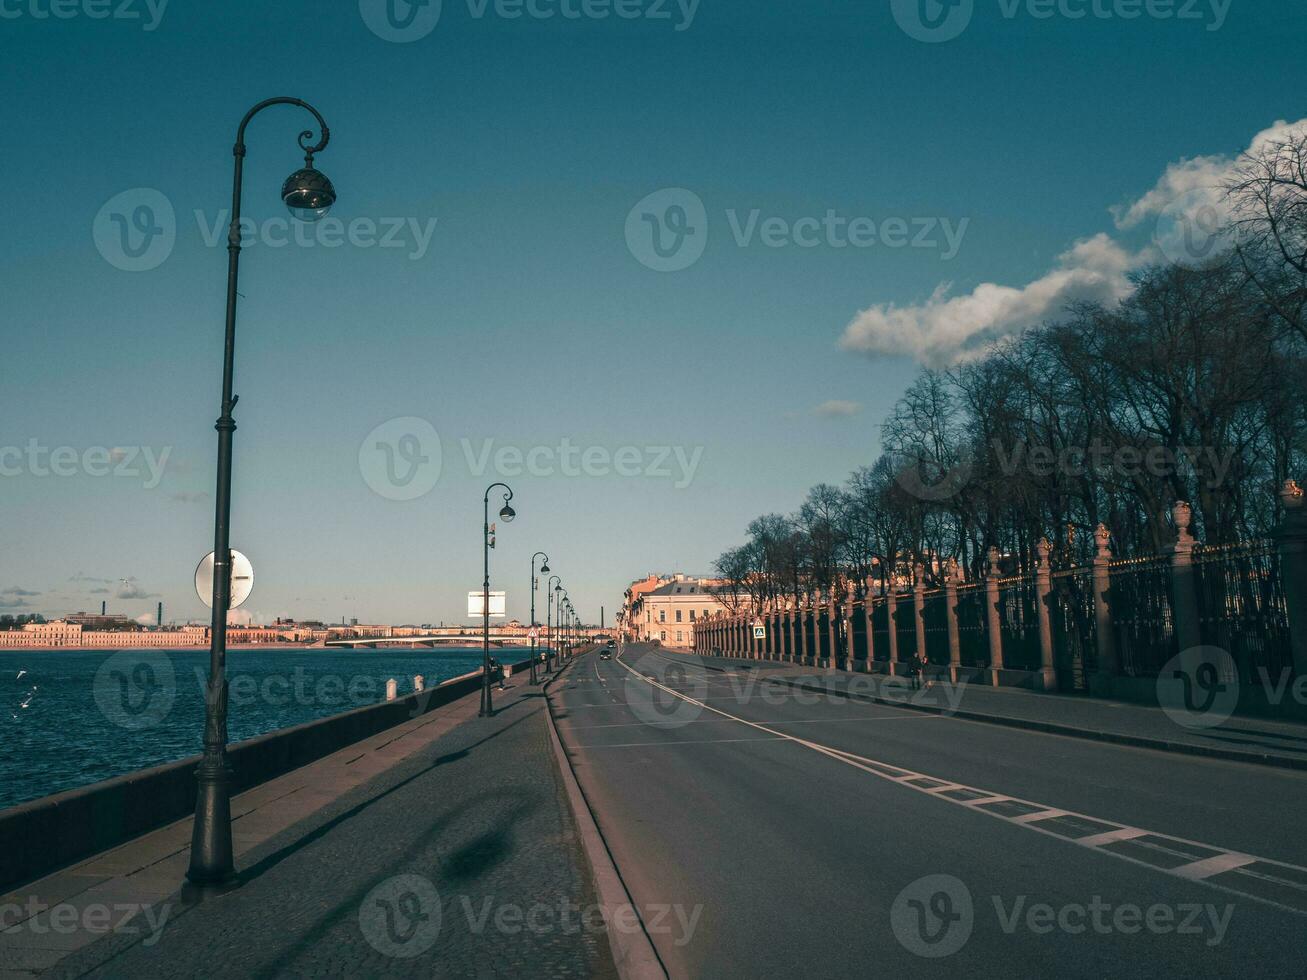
681	588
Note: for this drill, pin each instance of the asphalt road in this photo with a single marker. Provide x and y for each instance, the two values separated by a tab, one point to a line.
769	832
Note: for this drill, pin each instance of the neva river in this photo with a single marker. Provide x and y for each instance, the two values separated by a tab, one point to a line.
73	717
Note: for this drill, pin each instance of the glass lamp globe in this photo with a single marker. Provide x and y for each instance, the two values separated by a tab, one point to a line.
308	194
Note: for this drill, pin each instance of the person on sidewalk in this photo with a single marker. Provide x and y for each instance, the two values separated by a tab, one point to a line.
923	680
917	668
498	671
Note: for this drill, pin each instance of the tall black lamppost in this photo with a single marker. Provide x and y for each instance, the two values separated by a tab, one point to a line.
506	514
309	195
544	570
564	604
552	587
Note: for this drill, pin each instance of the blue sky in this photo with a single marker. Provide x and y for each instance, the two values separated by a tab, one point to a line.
524	317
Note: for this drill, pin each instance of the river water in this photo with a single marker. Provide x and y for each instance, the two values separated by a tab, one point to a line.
73	717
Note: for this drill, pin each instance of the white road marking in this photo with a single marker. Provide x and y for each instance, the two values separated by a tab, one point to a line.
1199	871
671	743
720	721
1121	833
1038	815
1213	866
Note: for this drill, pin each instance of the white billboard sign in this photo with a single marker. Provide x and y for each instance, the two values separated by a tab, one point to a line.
498	605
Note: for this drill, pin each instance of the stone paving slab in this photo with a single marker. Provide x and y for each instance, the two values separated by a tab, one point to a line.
442	847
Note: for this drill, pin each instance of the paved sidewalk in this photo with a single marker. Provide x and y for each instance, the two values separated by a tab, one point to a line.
1237	738
442	847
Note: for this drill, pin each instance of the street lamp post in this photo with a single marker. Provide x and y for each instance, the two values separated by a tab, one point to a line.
544	570
552	587
565	622
506	514
309	195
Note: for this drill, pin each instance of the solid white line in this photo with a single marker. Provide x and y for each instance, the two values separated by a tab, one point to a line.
672	743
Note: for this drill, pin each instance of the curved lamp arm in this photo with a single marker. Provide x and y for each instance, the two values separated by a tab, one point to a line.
508	492
304	136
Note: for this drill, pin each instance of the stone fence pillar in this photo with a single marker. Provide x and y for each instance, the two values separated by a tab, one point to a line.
868	610
891	609
803	628
1291	539
1184	598
816	628
994	620
1043	603
952	578
850	640
1108	666
832	628
919	608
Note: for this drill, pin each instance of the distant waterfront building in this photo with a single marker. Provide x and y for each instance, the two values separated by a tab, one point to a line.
669	611
63	633
98	621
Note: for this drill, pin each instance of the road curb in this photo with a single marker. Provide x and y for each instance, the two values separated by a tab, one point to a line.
1052	728
633	952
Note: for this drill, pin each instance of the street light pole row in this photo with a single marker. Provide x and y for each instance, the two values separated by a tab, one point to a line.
309	195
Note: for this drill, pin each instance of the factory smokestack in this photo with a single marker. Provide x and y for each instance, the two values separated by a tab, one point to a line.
104	606
159	622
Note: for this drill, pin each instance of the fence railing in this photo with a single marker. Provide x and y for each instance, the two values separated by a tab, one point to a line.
1069	629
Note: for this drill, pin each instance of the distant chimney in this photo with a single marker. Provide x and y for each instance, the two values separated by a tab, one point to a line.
159	621
104	607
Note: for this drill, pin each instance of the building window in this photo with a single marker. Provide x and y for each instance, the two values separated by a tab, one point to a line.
662	615
678	615
679	636
662	635
692	615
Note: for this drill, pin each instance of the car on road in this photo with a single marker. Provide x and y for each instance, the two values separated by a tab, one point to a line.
605	656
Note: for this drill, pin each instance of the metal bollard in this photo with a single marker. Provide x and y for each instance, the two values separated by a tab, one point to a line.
419	683
392	689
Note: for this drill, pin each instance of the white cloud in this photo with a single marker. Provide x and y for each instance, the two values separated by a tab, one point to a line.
1200	179
1188	209
838	407
945	329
